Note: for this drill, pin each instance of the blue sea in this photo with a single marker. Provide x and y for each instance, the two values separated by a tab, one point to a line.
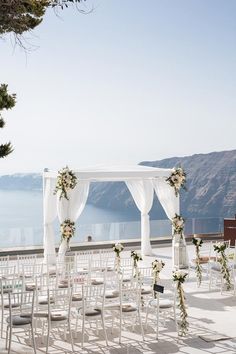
21	222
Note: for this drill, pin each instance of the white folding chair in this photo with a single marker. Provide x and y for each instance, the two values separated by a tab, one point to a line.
129	306
8	285
93	297
23	260
59	313
21	315
164	305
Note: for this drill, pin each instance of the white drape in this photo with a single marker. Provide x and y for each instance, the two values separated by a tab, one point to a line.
142	193
50	214
72	208
170	203
166	195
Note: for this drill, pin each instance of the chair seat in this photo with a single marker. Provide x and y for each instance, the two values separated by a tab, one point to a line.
163	303
50	272
6	305
64	283
18	320
126	279
43	300
146	290
31	287
215	267
97	281
112	306
41	314
112	294
77	297
59	315
129	308
91	312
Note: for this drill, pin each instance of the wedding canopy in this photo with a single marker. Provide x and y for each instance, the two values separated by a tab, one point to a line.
142	182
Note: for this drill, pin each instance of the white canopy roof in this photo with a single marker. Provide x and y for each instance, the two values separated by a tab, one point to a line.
141	181
116	173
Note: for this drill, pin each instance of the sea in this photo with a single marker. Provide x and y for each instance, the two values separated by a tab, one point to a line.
21	222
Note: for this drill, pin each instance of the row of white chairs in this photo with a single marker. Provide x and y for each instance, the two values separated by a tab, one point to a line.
115	296
210	263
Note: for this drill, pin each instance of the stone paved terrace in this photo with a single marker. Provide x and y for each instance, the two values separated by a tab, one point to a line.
210	313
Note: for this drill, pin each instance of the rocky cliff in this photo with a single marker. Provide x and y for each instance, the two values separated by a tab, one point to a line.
211	186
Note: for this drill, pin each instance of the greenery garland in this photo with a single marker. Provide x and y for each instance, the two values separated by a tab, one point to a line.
179	277
157	267
197	241
220	248
136	258
177	179
67	230
66	180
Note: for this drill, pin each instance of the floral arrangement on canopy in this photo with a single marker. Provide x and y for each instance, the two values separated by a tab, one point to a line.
177	179
178	224
118	248
157	267
67	230
66	180
197	241
220	248
179	277
136	258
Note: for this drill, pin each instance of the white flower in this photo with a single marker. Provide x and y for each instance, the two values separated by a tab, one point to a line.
199	240
180	274
118	247
157	265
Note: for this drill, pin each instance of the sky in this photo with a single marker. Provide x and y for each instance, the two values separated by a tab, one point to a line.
131	81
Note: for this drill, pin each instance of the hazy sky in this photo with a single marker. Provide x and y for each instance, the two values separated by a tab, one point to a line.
134	80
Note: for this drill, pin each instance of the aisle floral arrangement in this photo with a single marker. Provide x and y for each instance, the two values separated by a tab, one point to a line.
177	180
220	248
66	180
136	258
179	277
197	241
157	267
67	230
178	224
118	248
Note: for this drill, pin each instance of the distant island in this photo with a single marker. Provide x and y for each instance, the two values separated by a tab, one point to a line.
211	186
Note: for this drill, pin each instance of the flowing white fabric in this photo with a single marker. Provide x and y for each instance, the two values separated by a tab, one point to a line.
72	208
166	195
50	214
142	193
170	203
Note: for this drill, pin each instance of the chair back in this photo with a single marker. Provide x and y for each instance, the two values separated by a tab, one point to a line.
93	296
21	304
4	261
7	271
59	304
146	276
25	259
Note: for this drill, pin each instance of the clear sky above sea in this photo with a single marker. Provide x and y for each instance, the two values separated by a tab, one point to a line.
134	80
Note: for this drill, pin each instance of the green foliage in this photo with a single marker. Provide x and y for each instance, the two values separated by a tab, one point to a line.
19	16
7	101
5	149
